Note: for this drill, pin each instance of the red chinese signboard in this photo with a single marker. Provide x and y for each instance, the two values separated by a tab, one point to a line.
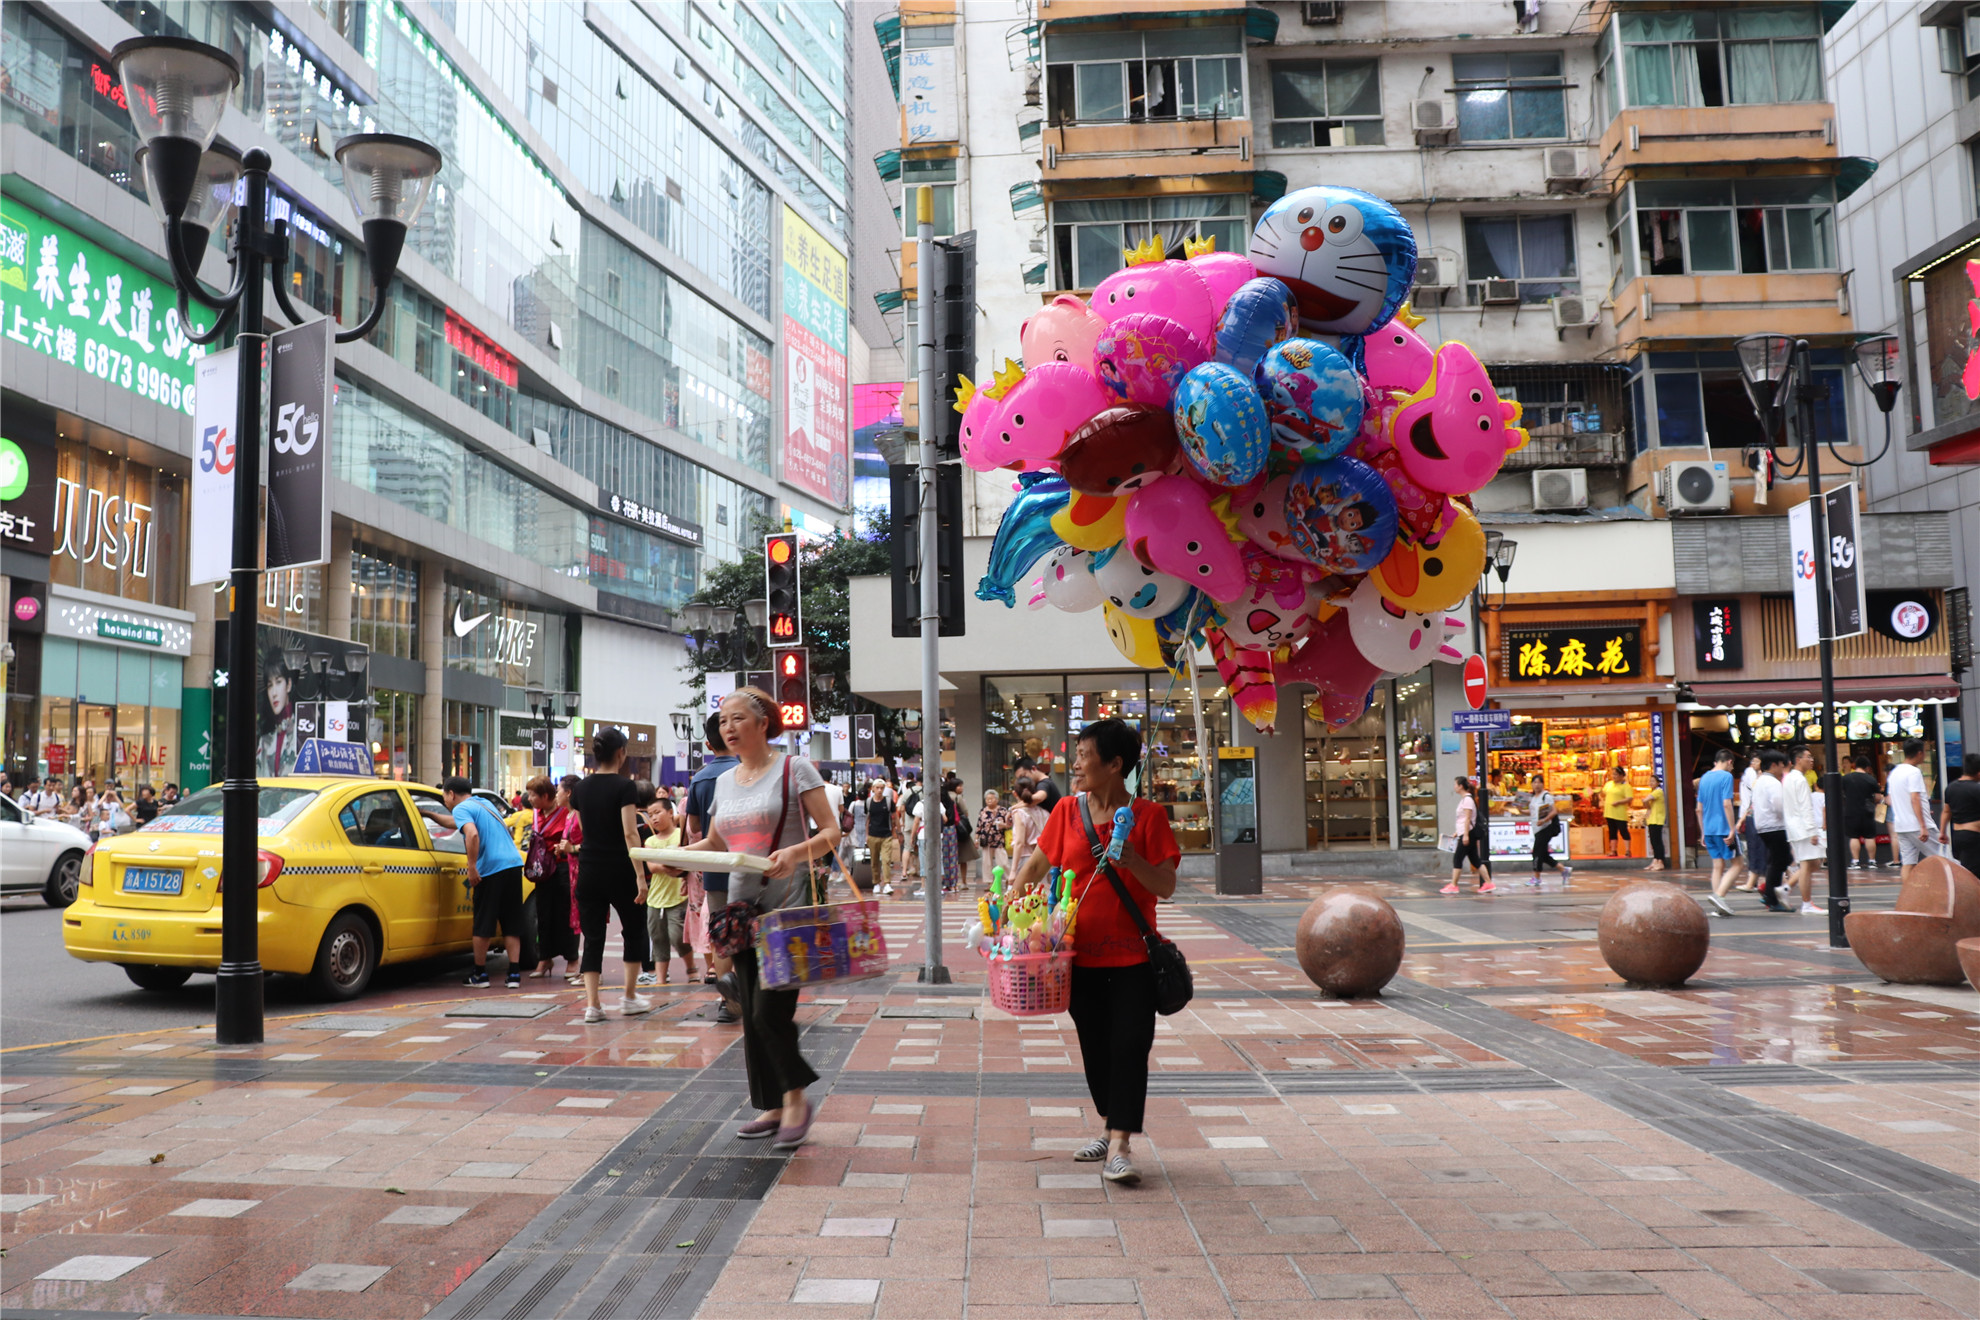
477	348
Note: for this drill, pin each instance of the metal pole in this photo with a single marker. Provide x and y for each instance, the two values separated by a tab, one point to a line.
1482	799
237	991
932	970
1804	418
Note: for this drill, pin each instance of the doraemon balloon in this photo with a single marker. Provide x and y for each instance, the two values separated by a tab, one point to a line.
1260	313
1174	289
1455	431
1313	397
1069	583
1135	589
1396	640
1171	527
1221	424
1064	332
1140	356
1348	256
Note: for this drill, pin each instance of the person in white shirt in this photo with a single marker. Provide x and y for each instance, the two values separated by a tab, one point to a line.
1804	828
1769	814
1910	817
1756	849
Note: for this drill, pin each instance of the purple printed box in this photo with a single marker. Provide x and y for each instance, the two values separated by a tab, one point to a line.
810	945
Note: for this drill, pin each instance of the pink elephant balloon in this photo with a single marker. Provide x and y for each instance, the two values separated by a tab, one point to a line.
1276	608
1223	272
1397	358
1171	528
1261	516
1063	332
1140	356
1174	289
1030	424
1394	639
1455	431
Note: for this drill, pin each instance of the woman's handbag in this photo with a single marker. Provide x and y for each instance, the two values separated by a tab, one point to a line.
1174	985
539	855
732	928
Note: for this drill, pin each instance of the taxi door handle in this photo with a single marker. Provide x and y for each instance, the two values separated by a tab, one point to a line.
374	869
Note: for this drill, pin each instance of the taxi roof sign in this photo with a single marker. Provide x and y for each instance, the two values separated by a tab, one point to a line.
323	756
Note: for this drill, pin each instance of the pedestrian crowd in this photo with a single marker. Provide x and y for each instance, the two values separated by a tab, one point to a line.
100	812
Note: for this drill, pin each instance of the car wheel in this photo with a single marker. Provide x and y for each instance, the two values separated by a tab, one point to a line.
64	880
152	977
346	958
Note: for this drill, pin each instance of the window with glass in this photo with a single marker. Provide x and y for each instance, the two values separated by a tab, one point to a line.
464	730
1709	406
1169	73
1327	103
939	177
385	601
1534	251
119	527
1089	237
1347	779
1024	718
1510	97
1726	226
1740	55
392	728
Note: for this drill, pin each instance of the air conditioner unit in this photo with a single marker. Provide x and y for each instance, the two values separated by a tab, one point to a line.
1498	293
1572	312
1559	489
1431	123
1321	13
1564	169
1695	487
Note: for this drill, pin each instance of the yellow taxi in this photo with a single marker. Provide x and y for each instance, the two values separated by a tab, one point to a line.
351	877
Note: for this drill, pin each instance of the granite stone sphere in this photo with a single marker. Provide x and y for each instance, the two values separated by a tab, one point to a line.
1350	943
1653	933
1969	959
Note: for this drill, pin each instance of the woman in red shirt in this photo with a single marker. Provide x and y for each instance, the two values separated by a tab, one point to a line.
556	936
1113	986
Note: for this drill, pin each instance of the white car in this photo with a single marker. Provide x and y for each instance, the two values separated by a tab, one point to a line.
39	856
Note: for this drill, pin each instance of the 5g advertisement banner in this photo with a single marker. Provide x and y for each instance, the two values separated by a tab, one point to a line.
216	394
301	364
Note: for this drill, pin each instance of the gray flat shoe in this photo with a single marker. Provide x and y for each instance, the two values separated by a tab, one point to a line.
1121	1170
1092	1152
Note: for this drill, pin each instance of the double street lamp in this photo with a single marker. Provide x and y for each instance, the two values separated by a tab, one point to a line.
1500	550
177	91
1780	384
546	705
733	632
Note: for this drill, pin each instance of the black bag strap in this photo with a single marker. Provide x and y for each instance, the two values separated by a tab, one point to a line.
1106	868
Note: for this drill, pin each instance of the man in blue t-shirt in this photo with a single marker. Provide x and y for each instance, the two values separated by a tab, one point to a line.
1717	823
498	875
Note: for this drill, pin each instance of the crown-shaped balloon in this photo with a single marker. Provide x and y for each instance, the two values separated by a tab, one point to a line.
1147	253
964	392
1407	315
1196	247
1007	375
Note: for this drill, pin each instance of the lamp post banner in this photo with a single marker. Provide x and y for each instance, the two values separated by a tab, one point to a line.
1847	614
216	429
300	377
1803	568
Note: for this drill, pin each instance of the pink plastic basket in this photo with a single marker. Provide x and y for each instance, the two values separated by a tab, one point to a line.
1032	984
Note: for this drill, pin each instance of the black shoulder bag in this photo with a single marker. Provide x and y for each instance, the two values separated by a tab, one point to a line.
1174	986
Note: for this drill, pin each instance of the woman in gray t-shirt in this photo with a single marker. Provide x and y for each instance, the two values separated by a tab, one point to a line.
765	805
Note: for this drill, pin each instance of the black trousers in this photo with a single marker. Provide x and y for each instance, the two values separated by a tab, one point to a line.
1778	857
1543	841
1470	848
554	936
1113	1010
1965	848
770	1036
1656	833
599	895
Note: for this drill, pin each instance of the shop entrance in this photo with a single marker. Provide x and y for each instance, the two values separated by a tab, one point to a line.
1576	756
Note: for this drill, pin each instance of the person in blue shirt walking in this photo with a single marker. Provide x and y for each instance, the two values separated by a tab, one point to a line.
1716	818
497	867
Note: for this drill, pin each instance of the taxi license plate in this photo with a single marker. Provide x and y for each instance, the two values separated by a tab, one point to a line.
150	881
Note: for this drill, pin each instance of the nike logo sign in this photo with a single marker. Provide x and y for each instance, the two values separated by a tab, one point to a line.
462	627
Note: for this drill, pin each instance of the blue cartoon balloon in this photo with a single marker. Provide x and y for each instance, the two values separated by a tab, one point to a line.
1340	515
1024	536
1221	424
1348	257
1313	397
1261	313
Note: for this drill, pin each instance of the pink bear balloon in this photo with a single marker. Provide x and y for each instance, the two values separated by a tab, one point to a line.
1455	431
1174	289
1394	639
1276	608
1140	357
1397	358
1171	529
1029	425
1223	272
1064	332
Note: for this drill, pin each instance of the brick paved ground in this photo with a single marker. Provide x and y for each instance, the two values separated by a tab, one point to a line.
1508	1133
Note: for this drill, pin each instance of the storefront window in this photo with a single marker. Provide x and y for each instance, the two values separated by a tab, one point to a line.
385	602
117	527
1347	780
1023	717
1174	761
108	714
293	598
393	731
1575	755
1416	758
466	732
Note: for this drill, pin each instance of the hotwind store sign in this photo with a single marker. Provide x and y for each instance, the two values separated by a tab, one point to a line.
63	296
1575	655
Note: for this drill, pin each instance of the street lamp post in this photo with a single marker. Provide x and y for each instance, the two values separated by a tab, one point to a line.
177	91
1499	553
1779	383
543	705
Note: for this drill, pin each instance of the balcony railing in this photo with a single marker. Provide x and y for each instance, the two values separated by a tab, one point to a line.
1554	446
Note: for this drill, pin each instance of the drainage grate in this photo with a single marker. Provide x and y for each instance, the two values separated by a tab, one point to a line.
506	1008
928	1011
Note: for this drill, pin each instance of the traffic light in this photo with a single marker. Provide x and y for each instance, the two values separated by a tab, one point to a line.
793	665
784	623
954	309
904	547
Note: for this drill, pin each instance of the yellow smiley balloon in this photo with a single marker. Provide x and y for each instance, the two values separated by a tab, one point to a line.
1091	522
1134	638
1426	578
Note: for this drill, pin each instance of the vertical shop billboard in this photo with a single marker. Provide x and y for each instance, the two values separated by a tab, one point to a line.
817	444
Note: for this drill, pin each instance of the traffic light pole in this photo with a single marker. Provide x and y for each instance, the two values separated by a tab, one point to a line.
933	972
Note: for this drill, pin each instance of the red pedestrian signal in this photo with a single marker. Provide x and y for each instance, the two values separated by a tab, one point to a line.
784	622
793	669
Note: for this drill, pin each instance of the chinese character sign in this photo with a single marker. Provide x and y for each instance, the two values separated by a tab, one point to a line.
1573	655
63	296
1717	639
929	94
817	441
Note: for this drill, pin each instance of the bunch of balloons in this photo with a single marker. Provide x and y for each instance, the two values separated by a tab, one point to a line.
1259	454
